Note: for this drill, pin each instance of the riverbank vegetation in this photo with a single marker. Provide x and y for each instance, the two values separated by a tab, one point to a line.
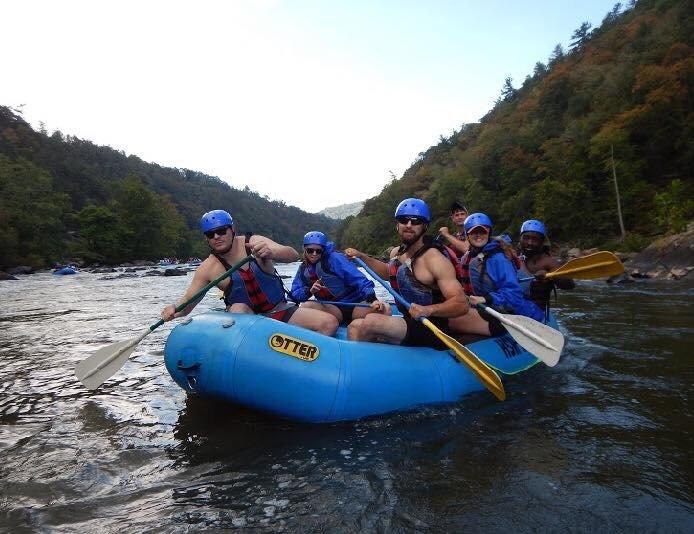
618	103
64	198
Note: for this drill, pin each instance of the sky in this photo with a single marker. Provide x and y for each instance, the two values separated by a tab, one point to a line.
314	103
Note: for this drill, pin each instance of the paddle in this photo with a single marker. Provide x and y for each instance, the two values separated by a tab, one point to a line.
598	265
354	304
540	340
484	373
105	362
347	304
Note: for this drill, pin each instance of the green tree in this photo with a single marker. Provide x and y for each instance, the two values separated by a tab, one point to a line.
30	214
675	207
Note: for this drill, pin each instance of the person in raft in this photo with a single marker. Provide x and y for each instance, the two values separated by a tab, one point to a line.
537	261
490	277
255	287
328	275
420	272
457	241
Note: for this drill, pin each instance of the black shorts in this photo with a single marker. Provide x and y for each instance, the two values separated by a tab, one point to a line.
282	315
419	335
346	312
495	326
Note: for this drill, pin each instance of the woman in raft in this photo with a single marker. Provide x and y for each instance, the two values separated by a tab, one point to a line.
328	275
490	277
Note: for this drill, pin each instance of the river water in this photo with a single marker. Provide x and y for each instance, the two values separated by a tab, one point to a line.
601	442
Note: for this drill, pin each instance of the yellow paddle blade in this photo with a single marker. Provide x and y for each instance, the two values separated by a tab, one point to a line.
484	373
598	265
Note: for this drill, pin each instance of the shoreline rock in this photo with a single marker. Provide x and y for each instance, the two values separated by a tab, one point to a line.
670	258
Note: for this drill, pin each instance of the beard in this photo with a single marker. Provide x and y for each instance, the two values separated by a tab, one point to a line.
529	252
409	240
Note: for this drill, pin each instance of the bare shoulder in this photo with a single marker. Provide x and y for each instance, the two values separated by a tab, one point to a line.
437	263
435	257
549	263
206	266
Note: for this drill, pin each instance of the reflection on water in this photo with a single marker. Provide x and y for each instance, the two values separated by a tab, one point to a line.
600	442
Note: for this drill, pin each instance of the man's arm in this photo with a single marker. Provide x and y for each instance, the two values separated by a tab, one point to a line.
200	279
455	303
379	267
264	249
456	244
551	264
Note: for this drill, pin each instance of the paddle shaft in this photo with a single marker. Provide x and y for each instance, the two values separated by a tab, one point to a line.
347	304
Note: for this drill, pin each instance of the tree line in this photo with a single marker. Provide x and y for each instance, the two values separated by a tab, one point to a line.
63	198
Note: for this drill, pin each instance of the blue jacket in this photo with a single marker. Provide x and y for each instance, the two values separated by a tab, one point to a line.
338	274
499	285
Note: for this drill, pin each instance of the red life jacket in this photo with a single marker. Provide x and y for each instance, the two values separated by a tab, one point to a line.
323	294
258	299
465	274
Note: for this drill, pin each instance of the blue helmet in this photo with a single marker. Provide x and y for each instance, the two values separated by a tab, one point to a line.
215	219
533	225
477	219
315	238
413	207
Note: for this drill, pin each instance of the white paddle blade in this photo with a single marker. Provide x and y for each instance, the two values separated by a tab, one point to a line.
105	362
539	339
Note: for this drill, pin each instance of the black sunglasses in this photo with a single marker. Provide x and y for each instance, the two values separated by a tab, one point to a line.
313	250
414	221
222	230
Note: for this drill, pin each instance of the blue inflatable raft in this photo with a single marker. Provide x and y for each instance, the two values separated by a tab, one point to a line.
65	270
304	376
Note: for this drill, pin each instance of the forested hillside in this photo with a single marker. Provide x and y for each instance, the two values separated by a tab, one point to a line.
62	198
622	93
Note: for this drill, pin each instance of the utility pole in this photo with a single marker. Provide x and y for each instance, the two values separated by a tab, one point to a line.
616	190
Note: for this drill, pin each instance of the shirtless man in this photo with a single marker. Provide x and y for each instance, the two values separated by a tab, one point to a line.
255	287
537	261
422	275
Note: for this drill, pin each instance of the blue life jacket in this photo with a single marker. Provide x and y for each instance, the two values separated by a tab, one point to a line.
254	287
344	282
403	280
494	277
524	273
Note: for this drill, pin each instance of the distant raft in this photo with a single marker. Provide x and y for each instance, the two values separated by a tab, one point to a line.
65	270
301	375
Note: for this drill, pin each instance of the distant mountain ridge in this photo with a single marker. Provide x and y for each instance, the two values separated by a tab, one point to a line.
343	210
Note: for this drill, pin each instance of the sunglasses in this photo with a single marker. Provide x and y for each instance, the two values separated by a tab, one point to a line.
414	221
222	230
313	250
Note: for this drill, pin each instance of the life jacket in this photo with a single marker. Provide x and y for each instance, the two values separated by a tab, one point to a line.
523	272
403	280
254	287
478	265
313	277
538	291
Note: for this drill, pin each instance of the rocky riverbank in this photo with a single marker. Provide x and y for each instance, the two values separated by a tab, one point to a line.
125	270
